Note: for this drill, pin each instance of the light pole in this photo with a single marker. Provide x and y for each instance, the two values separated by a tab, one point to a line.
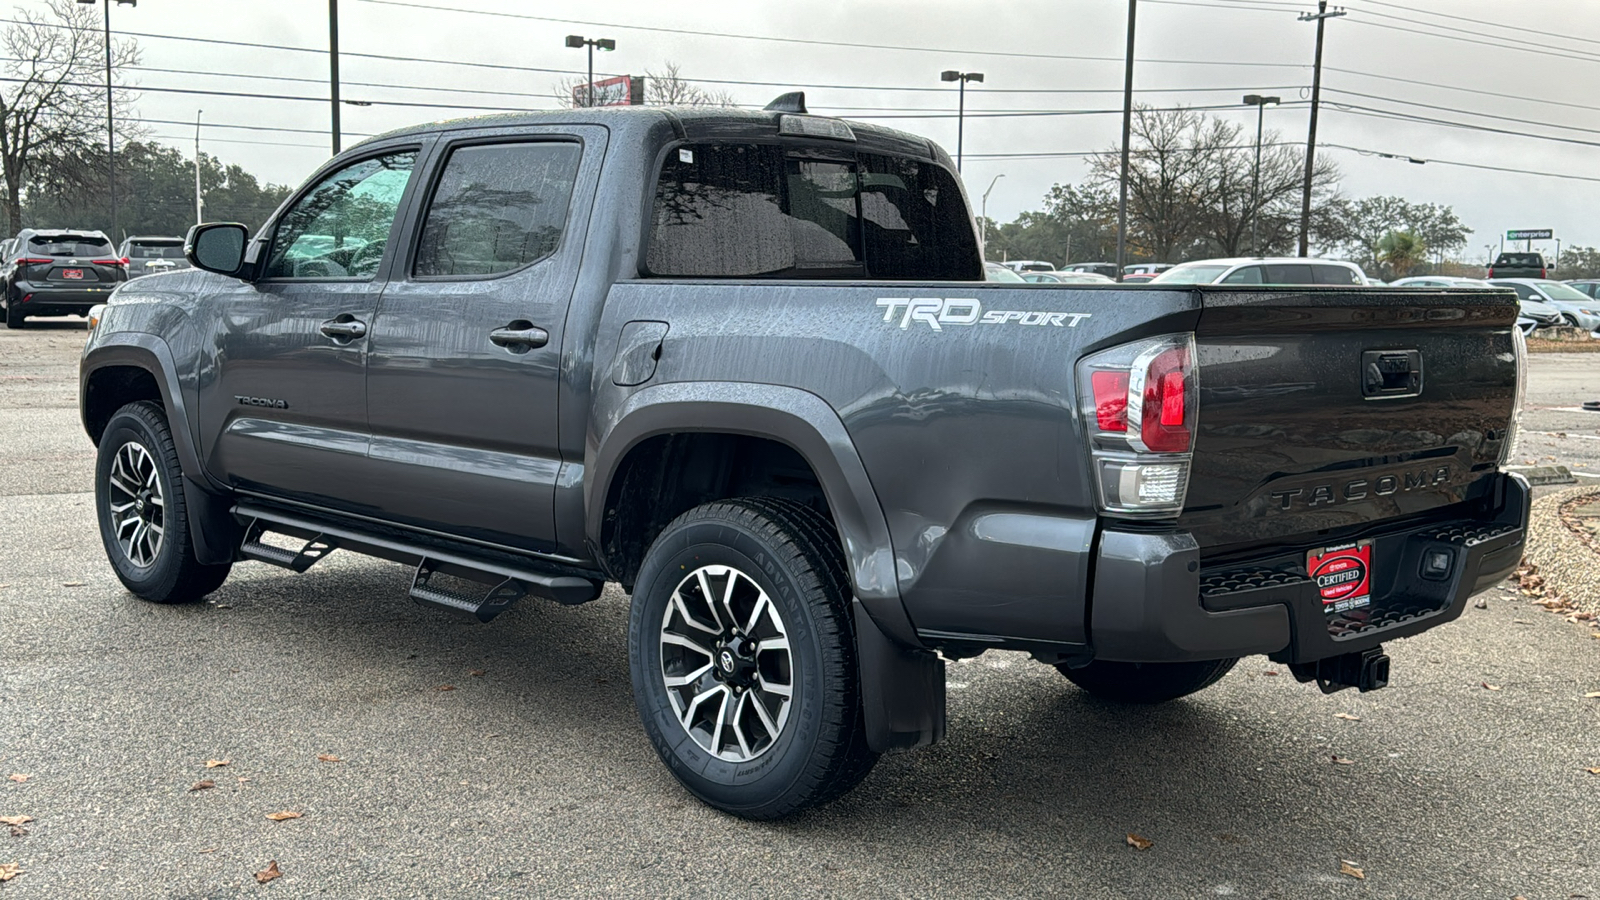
983	217
111	124
961	103
1321	16
1260	103
1127	130
199	204
333	72
577	40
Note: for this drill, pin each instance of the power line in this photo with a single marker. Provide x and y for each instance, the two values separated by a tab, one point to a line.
1353	109
1544	33
817	42
1465	112
1522	98
1466	165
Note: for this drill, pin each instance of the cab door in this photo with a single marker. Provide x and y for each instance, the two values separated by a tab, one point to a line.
284	410
465	362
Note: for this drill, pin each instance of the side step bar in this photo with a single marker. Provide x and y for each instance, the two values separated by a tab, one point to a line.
509	582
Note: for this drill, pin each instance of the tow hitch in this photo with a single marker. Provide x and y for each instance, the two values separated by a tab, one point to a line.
1367	670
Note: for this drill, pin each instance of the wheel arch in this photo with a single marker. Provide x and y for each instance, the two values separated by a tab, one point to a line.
796	419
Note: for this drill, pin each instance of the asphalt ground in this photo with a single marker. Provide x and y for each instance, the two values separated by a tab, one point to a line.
531	777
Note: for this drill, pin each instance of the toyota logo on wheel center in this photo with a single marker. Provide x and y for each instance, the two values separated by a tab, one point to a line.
727	661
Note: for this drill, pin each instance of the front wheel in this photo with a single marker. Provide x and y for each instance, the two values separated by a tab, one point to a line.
1124	682
139	501
743	658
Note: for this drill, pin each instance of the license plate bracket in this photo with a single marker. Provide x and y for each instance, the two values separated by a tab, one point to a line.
1342	574
73	274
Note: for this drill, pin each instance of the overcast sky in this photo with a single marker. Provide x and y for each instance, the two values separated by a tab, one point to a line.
1187	48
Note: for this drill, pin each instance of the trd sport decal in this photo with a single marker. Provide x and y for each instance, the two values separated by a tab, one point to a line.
937	312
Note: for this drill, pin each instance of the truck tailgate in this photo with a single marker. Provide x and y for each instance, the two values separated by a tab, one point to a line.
1324	410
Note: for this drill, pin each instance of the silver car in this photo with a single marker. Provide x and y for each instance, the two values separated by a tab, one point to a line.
1574	306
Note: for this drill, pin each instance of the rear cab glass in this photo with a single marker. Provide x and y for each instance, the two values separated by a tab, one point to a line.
1520	260
732	210
155	250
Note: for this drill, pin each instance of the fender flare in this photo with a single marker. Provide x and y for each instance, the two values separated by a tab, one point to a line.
212	530
797	418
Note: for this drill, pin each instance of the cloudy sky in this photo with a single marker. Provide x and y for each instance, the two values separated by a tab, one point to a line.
1509	86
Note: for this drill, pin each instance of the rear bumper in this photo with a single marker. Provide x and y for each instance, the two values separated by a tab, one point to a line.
1154	601
53	300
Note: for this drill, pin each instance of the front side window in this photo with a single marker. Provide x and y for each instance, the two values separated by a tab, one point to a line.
497	208
1246	275
1287	273
341	227
750	210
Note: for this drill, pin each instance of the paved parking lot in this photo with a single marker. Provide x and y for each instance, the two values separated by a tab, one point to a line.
506	760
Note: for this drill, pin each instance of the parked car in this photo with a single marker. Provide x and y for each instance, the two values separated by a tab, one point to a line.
1065	278
1589	287
1576	308
1144	269
572	364
1109	270
1439	281
1260	270
1029	265
58	273
151	255
1532	315
1519	265
998	272
1138	277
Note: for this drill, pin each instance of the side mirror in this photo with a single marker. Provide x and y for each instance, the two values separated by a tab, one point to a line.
217	247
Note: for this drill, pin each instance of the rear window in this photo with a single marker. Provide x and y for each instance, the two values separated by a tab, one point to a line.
163	250
1524	260
1333	275
69	245
750	210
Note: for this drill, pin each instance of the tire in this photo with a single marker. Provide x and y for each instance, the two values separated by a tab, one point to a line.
778	571
1569	320
156	561
1123	682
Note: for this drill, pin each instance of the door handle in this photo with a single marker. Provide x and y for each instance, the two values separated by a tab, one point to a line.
519	336
344	327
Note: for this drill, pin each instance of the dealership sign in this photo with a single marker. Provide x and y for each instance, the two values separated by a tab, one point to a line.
1531	234
623	90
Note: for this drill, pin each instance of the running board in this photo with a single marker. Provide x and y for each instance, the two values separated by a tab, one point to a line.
509	582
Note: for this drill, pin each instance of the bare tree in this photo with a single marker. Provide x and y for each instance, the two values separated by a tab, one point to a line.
52	113
662	87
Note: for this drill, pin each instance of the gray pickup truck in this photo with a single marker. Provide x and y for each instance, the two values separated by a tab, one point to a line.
744	364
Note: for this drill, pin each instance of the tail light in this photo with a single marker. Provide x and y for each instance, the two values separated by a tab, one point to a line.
35	261
1139	412
110	262
1508	447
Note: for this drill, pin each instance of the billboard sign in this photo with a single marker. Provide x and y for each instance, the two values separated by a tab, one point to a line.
623	90
1531	234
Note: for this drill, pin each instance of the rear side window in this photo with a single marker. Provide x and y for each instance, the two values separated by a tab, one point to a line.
68	245
498	208
1286	273
1333	275
1246	275
750	210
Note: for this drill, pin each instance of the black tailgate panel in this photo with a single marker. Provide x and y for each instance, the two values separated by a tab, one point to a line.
1313	420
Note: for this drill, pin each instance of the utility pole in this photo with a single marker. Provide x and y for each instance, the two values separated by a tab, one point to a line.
333	68
1127	130
983	217
1321	16
199	203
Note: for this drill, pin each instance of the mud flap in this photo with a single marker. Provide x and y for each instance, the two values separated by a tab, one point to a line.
214	532
902	689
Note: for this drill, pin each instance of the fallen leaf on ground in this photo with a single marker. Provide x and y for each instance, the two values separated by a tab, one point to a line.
1347	717
1489	687
282	816
1341	761
476	673
213	763
269	873
19	778
15	820
1593	771
209	850
328	757
1270	672
243	779
1589	696
1139	842
9	871
202	785
1346	867
445	687
72	584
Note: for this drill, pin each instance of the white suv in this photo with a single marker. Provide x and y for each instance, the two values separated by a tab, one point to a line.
1264	270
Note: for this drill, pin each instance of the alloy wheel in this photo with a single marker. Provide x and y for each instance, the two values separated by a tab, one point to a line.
137	506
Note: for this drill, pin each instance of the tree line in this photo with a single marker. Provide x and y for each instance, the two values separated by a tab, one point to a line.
1193	193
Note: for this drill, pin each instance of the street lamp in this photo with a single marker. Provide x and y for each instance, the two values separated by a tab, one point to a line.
983	217
961	108
111	125
1260	103
577	40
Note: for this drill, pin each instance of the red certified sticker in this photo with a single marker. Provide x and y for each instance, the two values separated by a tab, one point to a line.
1343	575
72	273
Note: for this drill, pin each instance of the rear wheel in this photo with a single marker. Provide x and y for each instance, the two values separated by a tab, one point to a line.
743	658
139	501
1124	682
